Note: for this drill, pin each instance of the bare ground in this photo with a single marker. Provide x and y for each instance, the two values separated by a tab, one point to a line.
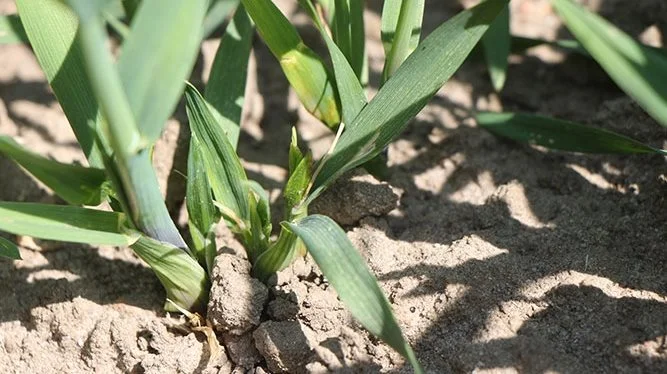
496	258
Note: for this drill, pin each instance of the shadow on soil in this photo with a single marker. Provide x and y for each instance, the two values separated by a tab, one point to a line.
578	326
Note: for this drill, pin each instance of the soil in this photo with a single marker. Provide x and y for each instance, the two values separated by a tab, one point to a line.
496	257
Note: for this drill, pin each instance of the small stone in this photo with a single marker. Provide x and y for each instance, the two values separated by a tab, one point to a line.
236	299
284	345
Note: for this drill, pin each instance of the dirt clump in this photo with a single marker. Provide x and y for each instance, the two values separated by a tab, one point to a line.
236	299
355	196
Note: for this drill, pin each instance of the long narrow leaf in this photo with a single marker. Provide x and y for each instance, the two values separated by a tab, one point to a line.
217	13
225	173
401	29
345	269
77	185
351	92
11	30
558	134
347	25
137	178
408	91
225	90
157	57
9	249
66	223
303	68
203	215
51	27
639	71
496	44
521	43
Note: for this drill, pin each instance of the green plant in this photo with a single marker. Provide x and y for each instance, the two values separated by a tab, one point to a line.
117	110
639	70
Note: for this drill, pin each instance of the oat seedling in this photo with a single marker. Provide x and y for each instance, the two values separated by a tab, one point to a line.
118	107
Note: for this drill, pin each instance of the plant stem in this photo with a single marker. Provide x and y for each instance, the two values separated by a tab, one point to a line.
131	153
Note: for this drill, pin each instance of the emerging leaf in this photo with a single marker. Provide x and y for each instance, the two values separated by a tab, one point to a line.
296	188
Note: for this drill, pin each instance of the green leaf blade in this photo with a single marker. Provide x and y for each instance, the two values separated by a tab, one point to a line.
225	90
351	92
157	57
217	13
401	30
638	70
497	44
203	215
347	272
51	28
77	185
408	91
303	68
9	249
558	134
223	167
65	223
11	30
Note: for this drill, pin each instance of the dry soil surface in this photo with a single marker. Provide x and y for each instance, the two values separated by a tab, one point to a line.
496	257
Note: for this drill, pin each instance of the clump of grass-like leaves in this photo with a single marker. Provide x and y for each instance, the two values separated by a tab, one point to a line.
118	107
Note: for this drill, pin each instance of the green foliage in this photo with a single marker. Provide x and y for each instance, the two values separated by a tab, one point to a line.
639	71
408	91
225	90
344	267
401	29
77	185
51	27
496	43
66	223
9	249
156	48
118	110
11	30
350	89
303	68
559	134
